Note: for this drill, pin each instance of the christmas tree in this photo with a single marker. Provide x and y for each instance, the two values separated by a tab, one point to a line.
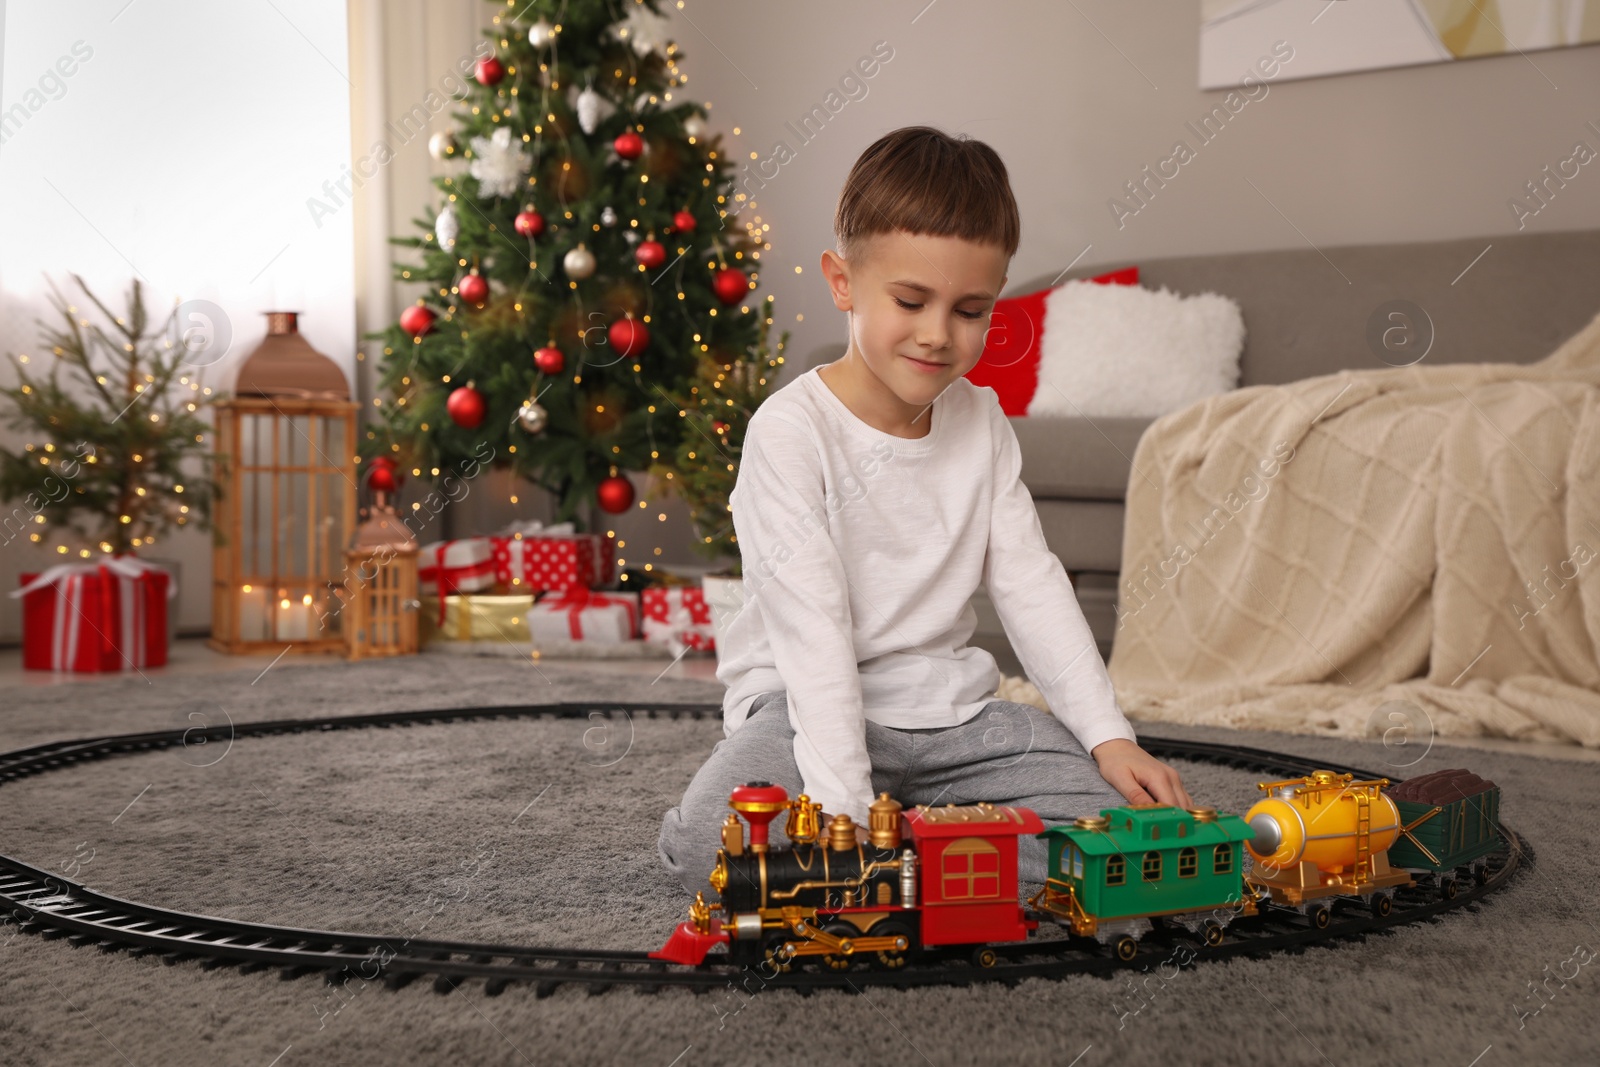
117	434
579	270
716	409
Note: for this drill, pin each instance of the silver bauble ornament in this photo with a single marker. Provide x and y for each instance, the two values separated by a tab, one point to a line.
578	263
532	416
442	145
631	236
608	216
539	34
694	126
447	227
588	110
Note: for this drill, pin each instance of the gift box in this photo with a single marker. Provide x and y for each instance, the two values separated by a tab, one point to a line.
104	616
538	558
476	617
580	614
445	568
677	616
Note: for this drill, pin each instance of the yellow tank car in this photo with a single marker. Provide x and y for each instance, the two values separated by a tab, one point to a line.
1324	836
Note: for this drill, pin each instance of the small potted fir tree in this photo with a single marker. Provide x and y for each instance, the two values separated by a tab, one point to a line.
725	392
113	457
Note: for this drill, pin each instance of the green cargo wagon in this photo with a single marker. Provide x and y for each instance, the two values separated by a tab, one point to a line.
1450	823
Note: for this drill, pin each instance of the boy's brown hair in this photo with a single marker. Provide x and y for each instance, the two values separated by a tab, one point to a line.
923	181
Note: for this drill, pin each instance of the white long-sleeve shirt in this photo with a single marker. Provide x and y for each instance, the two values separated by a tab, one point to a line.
861	551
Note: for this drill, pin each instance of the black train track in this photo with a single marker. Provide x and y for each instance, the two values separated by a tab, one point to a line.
50	906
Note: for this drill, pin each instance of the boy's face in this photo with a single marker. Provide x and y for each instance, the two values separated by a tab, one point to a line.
920	307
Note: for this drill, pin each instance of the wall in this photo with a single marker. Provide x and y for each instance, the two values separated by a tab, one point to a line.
182	149
1078	98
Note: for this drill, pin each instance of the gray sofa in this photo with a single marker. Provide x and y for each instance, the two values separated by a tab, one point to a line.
1306	313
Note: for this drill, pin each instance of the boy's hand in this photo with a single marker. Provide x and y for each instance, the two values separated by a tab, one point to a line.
1139	776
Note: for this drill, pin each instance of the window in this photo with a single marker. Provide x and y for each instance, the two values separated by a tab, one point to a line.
1152	866
1188	863
1222	860
970	870
1074	862
1115	870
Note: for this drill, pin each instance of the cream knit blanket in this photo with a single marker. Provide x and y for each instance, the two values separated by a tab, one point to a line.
1403	553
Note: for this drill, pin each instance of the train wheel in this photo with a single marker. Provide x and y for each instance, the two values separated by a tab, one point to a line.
1214	934
1480	872
840	961
1447	887
1382	905
891	958
1126	948
985	957
1320	917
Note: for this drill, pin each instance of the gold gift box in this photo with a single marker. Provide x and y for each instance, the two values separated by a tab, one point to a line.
477	617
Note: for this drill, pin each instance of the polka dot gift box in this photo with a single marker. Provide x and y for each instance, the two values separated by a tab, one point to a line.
534	558
677	616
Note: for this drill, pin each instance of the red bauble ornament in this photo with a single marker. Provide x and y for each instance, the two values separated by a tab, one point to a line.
490	70
615	494
730	285
629	336
466	407
719	427
651	253
683	222
549	360
416	320
381	479
530	223
474	288
629	145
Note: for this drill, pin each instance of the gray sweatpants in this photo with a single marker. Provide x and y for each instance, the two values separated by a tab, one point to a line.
1008	753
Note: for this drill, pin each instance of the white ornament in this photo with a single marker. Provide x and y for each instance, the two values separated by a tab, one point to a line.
499	164
588	110
578	263
446	227
631	236
539	33
533	417
441	145
608	216
694	126
643	29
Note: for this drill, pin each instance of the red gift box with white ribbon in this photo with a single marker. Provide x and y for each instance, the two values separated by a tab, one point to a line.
534	558
677	616
580	614
105	616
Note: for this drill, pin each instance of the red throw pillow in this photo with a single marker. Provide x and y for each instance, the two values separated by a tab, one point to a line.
1010	361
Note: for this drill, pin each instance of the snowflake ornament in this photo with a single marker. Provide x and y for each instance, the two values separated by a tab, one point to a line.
644	29
498	164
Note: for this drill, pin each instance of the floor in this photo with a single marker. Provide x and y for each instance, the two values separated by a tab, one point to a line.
191	657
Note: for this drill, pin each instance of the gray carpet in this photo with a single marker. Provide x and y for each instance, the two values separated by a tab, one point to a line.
429	830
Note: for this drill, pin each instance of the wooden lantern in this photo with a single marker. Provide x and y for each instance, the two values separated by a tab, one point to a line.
381	588
286	443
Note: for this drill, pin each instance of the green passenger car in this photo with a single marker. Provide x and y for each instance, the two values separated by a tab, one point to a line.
1108	876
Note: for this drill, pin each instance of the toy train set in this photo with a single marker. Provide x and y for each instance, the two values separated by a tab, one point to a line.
943	928
930	881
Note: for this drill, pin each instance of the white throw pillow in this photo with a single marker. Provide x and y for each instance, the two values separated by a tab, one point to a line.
1123	350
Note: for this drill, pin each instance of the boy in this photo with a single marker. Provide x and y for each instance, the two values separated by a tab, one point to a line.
874	495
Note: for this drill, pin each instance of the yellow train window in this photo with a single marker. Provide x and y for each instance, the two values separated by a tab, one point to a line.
1188	863
1222	860
1116	870
1152	866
